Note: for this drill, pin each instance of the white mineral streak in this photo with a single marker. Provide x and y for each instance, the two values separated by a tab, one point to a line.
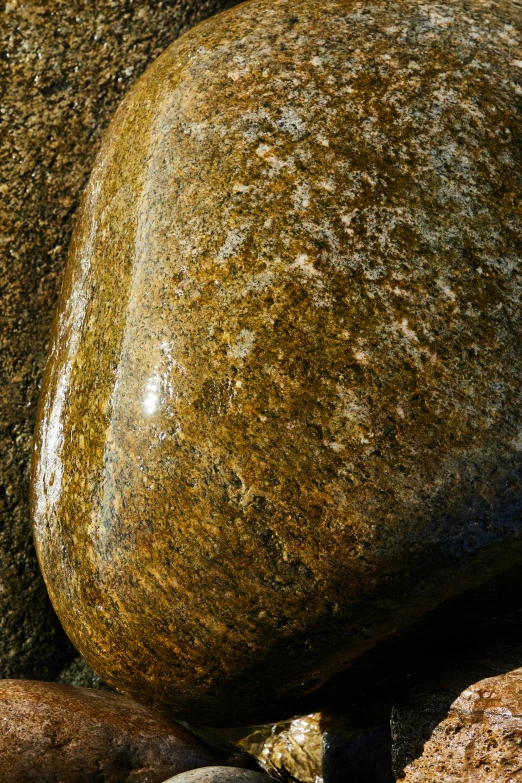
49	470
232	244
243	345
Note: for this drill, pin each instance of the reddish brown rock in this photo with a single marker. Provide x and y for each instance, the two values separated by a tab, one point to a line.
53	733
473	738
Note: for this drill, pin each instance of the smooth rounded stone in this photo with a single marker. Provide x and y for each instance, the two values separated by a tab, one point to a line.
474	739
281	417
51	732
219	775
64	68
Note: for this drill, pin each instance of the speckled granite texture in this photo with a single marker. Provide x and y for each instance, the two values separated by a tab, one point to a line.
64	68
52	733
219	775
282	414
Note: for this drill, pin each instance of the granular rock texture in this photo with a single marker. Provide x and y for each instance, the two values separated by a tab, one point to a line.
52	733
78	672
219	775
64	68
281	417
475	739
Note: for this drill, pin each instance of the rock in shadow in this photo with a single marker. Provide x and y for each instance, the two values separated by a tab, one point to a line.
363	756
464	722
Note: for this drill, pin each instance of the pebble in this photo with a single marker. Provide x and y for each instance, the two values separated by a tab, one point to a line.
219	775
331	747
292	749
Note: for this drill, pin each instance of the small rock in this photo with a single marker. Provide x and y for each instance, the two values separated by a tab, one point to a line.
329	747
219	775
291	748
51	732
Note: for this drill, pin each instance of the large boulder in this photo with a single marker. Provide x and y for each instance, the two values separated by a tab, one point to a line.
281	417
64	68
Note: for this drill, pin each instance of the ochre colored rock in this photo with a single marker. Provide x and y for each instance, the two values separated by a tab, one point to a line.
293	748
64	68
51	732
475	739
459	715
281	416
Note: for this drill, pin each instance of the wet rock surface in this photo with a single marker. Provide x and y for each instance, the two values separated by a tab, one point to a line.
293	748
51	732
323	747
220	775
474	737
281	417
64	67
